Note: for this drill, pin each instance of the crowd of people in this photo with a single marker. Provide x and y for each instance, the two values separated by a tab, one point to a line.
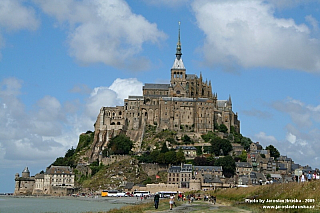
309	176
181	197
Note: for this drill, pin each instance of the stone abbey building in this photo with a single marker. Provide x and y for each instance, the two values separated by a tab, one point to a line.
187	103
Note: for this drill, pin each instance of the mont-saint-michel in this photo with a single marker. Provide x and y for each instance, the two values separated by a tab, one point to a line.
175	137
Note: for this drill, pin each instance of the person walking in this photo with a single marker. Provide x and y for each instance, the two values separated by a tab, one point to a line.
156	200
171	201
309	176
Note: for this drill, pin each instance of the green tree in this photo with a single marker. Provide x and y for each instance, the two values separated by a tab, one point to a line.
120	144
199	150
154	155
95	167
186	139
85	140
60	161
161	158
273	151
147	181
180	157
223	128
228	165
170	157
207	137
171	140
245	142
236	136
70	152
210	160
219	145
200	161
164	148
243	156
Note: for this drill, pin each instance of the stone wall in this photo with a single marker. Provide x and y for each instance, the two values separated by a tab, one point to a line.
24	186
153	168
114	158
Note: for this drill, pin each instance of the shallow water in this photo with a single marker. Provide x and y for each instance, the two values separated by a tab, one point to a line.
52	204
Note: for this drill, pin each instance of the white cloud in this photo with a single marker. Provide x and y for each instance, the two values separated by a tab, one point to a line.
300	150
247	33
289	3
291	138
50	128
168	3
105	31
301	134
265	139
113	95
14	16
126	87
257	113
302	115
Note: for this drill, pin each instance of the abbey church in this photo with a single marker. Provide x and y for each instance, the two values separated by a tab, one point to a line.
187	103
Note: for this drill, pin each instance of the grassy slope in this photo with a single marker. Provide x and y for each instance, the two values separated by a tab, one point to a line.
299	191
113	175
236	198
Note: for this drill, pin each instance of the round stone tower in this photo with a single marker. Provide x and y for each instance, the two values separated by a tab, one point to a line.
26	173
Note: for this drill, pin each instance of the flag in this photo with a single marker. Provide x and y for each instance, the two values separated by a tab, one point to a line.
157	176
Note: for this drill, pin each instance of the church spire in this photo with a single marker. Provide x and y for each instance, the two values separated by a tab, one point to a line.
178	53
178	64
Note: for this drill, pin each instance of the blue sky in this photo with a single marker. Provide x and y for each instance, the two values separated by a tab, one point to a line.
61	61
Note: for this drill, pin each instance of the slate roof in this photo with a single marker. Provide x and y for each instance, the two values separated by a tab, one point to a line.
178	64
135	97
222	103
185	99
59	170
26	170
191	76
186	168
284	158
243	164
157	86
210	168
174	169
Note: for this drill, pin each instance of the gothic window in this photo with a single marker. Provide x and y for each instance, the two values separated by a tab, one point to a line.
118	123
178	91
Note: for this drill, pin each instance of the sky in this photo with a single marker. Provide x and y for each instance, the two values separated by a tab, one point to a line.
62	60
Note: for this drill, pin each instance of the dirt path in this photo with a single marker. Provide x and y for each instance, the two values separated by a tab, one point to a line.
202	207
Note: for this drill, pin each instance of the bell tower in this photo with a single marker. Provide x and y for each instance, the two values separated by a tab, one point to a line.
178	72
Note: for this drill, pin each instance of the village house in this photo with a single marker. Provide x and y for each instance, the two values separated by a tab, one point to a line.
189	152
56	180
243	168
